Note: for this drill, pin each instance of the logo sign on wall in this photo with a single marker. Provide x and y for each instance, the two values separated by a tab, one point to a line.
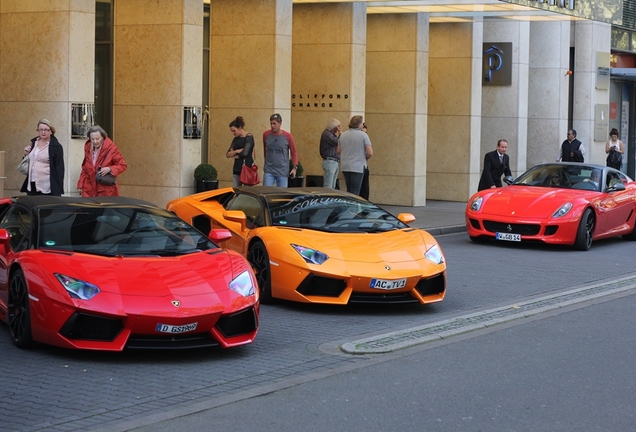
317	100
497	64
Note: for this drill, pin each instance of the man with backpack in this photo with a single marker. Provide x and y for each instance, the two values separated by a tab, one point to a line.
571	150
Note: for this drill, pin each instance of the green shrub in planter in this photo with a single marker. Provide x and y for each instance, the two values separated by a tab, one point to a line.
299	180
205	176
205	172
299	169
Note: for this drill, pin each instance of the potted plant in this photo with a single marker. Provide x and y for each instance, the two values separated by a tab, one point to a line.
299	180
205	176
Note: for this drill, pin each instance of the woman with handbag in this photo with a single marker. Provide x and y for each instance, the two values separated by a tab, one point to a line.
102	163
242	151
45	174
613	144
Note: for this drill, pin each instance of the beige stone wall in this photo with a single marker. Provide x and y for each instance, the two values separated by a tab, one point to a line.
592	37
547	90
250	72
505	108
397	87
158	66
328	73
46	64
454	111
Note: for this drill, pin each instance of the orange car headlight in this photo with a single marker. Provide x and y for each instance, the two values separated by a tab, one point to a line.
435	254
311	256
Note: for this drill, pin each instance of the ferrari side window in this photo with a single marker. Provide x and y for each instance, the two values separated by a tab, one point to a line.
612	179
17	222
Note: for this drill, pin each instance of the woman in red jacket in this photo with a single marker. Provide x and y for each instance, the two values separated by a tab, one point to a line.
101	157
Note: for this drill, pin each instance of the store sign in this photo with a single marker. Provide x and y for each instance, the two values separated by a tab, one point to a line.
497	64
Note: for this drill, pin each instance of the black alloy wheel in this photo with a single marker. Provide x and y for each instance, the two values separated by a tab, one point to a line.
18	313
586	231
259	259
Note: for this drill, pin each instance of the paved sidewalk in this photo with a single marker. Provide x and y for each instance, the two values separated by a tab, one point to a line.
437	217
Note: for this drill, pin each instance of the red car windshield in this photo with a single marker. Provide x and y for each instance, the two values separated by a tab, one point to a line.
115	231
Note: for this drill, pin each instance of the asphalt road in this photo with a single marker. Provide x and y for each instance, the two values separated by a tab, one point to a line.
292	376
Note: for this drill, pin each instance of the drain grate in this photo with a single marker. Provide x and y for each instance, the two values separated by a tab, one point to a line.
418	335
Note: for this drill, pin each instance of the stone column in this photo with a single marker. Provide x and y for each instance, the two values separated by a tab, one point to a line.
158	72
328	73
504	108
47	52
396	93
250	72
548	84
454	111
591	37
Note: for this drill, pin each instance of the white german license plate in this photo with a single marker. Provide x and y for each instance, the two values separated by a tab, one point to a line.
508	237
387	284
165	328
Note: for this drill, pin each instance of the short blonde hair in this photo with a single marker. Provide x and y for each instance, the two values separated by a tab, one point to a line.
48	123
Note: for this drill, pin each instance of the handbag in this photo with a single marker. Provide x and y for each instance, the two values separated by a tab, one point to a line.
249	175
23	166
107	179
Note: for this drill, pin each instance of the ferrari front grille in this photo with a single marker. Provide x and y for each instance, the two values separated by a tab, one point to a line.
237	324
523	229
551	230
171	342
321	286
432	286
91	327
475	223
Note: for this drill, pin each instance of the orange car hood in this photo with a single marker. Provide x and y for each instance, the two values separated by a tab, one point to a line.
390	247
531	202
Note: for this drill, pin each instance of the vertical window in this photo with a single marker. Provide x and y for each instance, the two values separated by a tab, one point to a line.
206	82
104	64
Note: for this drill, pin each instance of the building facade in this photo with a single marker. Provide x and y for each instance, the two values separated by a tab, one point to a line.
437	82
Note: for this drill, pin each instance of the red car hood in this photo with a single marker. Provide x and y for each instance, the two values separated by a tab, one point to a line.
389	247
187	275
531	202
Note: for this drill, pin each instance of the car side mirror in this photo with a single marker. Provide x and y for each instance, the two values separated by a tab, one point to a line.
237	216
218	235
406	218
5	238
616	187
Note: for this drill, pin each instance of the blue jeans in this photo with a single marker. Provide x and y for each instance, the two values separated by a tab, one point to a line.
353	181
236	180
269	180
330	167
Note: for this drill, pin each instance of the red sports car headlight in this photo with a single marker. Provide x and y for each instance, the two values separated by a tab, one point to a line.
475	204
563	210
77	288
242	284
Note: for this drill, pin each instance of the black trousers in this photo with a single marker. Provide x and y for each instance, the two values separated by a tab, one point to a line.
364	188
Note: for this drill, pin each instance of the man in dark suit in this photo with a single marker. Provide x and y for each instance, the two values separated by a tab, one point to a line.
496	164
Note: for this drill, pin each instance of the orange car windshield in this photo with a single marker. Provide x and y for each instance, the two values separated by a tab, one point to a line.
331	214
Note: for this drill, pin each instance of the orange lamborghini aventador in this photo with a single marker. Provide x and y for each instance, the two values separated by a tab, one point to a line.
318	245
